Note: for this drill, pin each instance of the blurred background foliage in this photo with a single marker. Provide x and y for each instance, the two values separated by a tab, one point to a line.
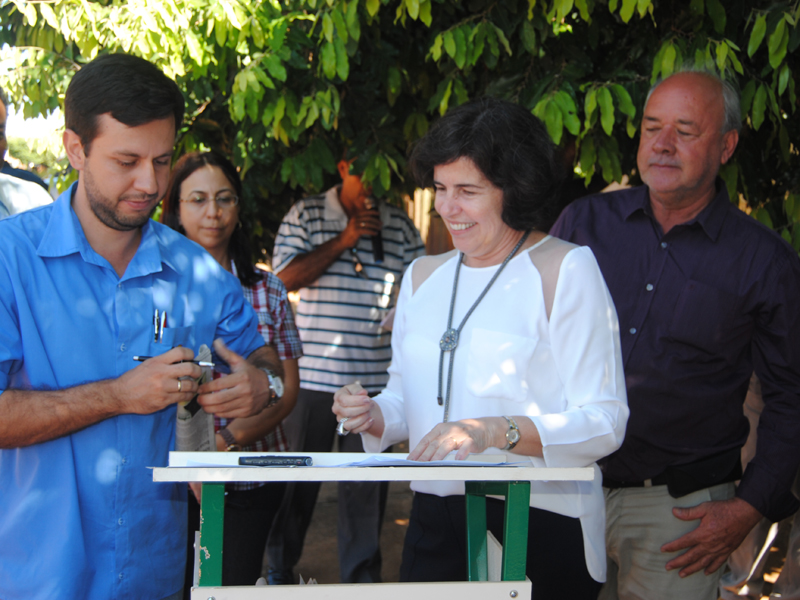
286	87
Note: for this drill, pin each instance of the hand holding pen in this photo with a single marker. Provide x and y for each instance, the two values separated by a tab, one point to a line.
159	382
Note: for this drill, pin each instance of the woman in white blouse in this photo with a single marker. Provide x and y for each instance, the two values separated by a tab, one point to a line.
508	344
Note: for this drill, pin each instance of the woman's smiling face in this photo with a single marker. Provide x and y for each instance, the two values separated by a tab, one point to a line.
471	207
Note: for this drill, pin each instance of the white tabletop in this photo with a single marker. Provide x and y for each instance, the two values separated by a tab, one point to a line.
327	466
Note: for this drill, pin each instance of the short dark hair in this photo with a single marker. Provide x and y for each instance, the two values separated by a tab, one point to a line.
239	247
512	149
132	90
3	97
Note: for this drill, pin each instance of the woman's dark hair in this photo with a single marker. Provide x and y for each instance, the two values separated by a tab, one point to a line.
512	149
130	89
239	247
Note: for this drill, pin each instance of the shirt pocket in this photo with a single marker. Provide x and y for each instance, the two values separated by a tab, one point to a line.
173	337
705	321
498	365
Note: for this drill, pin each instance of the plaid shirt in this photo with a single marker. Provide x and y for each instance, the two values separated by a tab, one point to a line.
276	326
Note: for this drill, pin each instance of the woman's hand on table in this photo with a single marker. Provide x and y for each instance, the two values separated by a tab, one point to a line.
353	403
468	436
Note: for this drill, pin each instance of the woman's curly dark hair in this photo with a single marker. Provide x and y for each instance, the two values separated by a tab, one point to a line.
239	247
512	149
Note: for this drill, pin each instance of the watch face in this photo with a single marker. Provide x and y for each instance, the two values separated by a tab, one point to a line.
277	384
512	436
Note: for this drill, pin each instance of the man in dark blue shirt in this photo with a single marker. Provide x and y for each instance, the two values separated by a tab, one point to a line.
706	296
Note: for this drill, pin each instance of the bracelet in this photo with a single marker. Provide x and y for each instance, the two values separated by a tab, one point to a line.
232	445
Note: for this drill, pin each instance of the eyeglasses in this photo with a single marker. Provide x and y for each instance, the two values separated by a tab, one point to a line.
225	201
358	266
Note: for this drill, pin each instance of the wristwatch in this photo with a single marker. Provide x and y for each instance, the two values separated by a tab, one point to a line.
232	445
275	387
512	435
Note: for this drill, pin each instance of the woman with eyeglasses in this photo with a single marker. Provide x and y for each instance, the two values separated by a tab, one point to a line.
202	202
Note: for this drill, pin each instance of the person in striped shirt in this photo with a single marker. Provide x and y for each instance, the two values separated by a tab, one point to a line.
329	248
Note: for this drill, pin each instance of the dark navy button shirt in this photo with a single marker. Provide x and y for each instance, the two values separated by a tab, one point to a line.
700	309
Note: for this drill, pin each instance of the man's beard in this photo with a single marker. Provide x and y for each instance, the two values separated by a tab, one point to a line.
106	213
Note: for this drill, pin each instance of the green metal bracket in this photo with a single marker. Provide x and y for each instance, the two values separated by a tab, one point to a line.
212	511
515	528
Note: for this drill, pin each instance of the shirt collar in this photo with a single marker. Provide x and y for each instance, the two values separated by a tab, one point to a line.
64	236
334	211
710	219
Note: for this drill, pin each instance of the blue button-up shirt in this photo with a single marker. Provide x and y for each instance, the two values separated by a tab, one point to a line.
80	516
700	308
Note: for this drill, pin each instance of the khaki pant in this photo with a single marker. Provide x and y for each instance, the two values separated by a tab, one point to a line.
638	522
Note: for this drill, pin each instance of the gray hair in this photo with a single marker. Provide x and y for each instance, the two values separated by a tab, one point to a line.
732	117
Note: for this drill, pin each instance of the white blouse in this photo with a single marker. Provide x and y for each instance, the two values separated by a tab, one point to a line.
564	373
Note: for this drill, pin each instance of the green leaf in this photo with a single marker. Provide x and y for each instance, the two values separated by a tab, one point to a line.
569	111
327	27
275	67
413	9
386	174
762	215
503	39
373	6
583	8
612	6
783	79
445	98
757	35
528	37
759	106
606	109
461	47
341	27
328	56
450	44
668	62
436	49
220	32
394	82
553	120
425	13
624	100
717	13
342	62
642	7
722	55
590	104
747	97
49	15
353	22
194	46
628	6
778	43
697	7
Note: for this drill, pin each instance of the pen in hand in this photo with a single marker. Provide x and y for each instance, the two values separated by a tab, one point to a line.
201	363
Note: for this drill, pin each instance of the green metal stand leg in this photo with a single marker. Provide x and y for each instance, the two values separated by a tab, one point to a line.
212	512
515	528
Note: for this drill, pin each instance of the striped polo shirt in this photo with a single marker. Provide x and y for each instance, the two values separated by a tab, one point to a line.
339	315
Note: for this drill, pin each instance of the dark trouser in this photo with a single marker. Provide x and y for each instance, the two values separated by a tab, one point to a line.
248	518
436	547
311	427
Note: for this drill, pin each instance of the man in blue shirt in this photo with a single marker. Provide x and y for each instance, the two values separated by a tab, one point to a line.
80	280
706	296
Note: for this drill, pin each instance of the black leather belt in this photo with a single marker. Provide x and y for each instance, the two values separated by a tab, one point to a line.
614	484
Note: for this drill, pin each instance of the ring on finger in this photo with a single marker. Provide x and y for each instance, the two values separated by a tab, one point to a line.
340	427
180	386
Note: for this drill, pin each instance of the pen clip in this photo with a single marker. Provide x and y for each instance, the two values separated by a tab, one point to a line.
155	326
163	325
